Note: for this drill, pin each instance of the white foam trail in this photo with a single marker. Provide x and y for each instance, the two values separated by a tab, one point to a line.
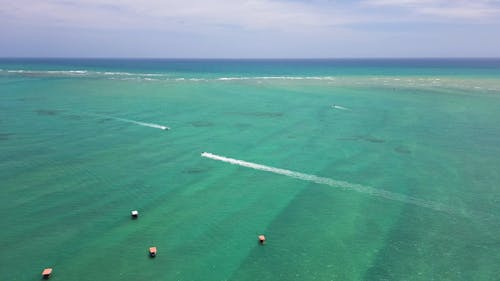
340	107
276	78
151	125
340	184
51	72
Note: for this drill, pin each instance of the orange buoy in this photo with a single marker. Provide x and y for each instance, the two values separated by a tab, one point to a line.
47	272
262	239
152	252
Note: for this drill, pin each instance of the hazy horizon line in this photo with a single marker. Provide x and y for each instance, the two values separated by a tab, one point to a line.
251	58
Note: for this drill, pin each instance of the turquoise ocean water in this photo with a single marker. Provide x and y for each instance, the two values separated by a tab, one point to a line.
399	164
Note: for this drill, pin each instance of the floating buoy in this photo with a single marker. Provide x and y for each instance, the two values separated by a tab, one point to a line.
46	273
262	239
152	252
134	214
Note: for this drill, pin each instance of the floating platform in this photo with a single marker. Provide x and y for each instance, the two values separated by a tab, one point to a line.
46	273
262	239
134	214
152	252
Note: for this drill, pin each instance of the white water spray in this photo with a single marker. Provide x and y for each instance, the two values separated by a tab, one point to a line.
151	125
340	107
339	184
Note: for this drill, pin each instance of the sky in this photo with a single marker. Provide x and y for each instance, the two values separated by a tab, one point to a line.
250	28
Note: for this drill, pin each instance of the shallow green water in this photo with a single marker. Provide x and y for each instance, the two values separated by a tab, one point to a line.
70	178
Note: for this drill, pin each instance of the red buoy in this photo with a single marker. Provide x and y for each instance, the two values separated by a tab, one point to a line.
262	239
46	273
152	252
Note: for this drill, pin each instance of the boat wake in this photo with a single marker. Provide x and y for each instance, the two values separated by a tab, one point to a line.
151	125
341	184
340	107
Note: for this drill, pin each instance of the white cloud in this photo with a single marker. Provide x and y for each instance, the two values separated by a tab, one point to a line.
482	10
246	28
204	15
250	14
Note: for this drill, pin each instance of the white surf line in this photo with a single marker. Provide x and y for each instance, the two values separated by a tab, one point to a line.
340	107
340	184
151	125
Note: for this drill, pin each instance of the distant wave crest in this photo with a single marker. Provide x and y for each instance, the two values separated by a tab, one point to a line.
151	76
78	73
392	82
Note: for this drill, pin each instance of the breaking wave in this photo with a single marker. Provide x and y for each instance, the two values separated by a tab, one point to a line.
392	82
